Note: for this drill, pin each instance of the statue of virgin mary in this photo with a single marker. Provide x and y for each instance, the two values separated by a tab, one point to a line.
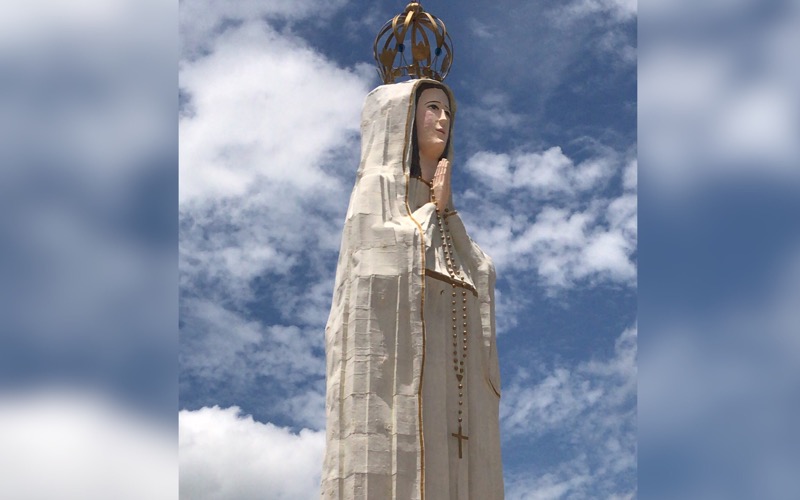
413	385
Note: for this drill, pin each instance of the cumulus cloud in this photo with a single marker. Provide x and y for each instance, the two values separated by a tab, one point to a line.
69	444
266	149
240	358
264	107
224	455
566	393
591	408
269	146
577	231
223	341
545	173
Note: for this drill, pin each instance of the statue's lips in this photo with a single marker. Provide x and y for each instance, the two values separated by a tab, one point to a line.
440	131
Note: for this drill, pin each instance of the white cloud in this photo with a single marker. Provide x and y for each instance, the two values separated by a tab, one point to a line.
306	408
218	340
272	136
225	455
631	176
268	149
615	41
566	34
266	109
494	169
221	346
552	486
495	110
577	234
613	15
480	30
546	173
202	20
506	309
565	393
622	10
75	445
591	407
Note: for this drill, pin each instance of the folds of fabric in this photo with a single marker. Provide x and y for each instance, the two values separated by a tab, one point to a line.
375	335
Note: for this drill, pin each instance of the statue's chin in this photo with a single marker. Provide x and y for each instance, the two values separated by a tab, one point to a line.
432	151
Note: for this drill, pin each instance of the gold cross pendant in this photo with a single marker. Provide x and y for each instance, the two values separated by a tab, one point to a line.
460	436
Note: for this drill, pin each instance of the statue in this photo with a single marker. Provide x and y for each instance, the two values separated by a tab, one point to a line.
413	384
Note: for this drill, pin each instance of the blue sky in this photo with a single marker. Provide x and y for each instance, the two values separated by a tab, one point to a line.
89	195
546	182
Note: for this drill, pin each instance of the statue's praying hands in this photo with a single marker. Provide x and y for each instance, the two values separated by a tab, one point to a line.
441	184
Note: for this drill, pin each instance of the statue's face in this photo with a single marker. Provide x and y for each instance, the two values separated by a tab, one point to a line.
432	122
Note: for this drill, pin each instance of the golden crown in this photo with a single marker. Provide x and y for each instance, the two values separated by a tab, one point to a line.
409	34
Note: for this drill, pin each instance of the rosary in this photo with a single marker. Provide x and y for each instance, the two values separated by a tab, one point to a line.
458	361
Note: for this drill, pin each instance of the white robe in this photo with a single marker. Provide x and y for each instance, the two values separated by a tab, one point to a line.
392	394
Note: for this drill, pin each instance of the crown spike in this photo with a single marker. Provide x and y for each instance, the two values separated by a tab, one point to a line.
423	27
